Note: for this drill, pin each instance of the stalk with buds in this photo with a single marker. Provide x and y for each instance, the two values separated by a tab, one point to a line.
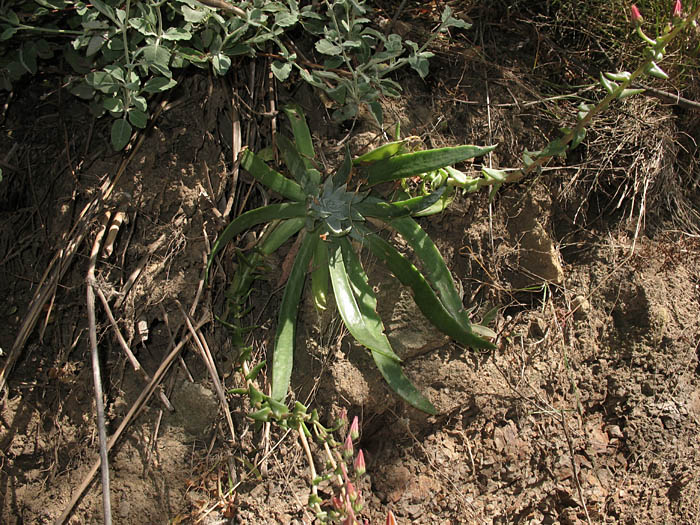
618	87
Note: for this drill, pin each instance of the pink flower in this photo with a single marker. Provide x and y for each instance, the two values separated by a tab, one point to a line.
355	428
677	10
636	15
359	464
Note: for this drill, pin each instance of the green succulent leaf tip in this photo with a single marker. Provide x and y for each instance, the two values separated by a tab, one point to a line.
336	208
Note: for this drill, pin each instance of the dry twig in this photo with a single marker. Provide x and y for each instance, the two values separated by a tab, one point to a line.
143	398
203	347
96	376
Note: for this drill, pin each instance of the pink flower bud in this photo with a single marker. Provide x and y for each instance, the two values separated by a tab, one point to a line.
358	503
636	15
677	11
337	503
359	464
355	428
347	447
390	519
342	420
351	491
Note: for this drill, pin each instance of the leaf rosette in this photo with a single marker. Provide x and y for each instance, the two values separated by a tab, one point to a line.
327	215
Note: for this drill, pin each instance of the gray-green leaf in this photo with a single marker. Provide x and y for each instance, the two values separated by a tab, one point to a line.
138	118
159	84
281	70
121	133
327	47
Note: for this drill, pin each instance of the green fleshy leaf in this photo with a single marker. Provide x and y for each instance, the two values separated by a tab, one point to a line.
193	15
271	178
556	148
373	207
283	357
253	217
420	64
94	44
355	299
494	174
437	272
420	162
220	63
82	90
382	152
424	296
292	159
159	84
102	81
619	77
609	85
320	275
302	135
399	383
157	58
138	118
327	47
262	415
579	135
281	70
177	33
113	104
376	110
629	93
655	71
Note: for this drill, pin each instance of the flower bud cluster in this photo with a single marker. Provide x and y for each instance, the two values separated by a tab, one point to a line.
347	501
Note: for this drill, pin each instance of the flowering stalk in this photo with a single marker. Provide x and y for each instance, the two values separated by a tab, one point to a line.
615	90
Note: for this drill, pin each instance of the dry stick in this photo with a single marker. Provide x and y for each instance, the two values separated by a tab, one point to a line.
172	342
48	283
490	154
222	4
236	145
145	395
132	358
244	477
114	226
574	467
99	401
563	414
62	261
159	419
203	348
670	98
139	268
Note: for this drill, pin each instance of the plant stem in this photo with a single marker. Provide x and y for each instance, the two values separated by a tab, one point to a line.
659	44
312	467
124	36
67	32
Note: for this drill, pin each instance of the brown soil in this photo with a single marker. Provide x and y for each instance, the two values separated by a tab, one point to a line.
589	411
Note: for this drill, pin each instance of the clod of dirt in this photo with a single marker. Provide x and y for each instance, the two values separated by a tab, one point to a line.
196	407
408	330
534	256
